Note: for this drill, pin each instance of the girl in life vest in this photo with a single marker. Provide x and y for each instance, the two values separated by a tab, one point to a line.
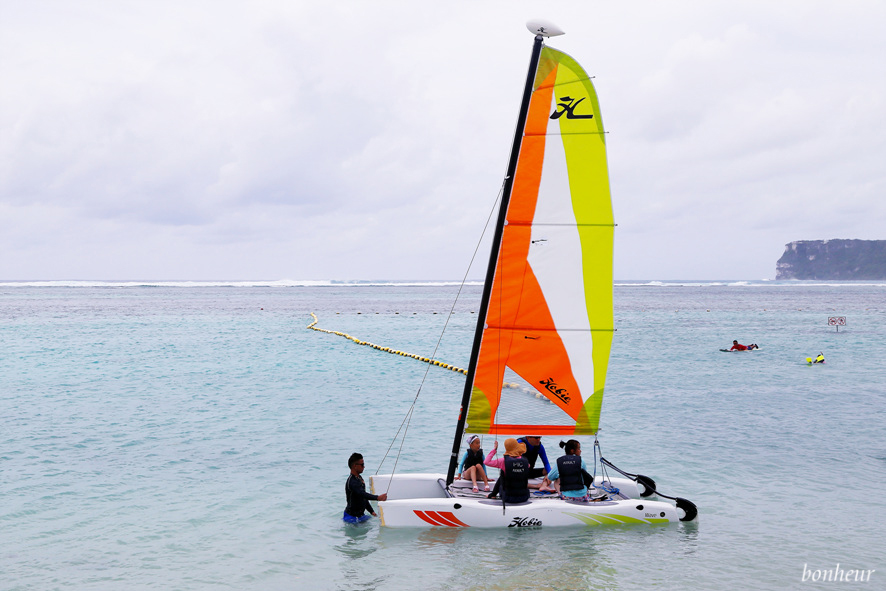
569	472
515	476
513	482
471	466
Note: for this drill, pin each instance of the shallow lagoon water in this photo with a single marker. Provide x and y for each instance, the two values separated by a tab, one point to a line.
196	437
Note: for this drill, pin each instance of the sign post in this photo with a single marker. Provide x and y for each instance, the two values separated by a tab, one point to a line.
837	321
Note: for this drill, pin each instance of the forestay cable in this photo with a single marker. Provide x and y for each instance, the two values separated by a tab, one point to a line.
404	426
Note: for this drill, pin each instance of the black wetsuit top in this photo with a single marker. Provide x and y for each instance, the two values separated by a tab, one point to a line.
358	498
531	455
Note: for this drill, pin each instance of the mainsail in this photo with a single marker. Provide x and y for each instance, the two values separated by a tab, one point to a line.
549	322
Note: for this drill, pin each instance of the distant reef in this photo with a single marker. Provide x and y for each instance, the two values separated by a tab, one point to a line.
833	259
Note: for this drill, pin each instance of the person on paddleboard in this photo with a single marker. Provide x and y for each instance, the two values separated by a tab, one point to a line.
736	346
356	495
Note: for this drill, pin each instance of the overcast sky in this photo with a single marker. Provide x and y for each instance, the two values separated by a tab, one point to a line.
286	139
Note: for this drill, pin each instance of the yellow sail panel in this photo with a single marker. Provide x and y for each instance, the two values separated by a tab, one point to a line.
550	310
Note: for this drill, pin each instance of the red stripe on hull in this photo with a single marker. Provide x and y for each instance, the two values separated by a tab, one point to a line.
443	518
428	517
451	517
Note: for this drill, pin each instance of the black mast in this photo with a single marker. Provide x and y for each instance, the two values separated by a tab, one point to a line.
493	257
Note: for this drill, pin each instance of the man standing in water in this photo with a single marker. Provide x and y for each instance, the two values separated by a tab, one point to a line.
355	492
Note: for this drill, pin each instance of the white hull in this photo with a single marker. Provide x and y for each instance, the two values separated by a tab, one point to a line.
420	500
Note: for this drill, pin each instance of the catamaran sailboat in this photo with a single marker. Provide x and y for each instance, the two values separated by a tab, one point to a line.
544	333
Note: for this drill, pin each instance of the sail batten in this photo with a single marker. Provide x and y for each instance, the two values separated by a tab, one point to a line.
549	322
533	223
542	328
567	133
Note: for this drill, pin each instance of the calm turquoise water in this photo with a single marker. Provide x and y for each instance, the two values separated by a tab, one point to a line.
196	437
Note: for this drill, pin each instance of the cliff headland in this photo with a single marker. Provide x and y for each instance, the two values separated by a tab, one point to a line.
833	260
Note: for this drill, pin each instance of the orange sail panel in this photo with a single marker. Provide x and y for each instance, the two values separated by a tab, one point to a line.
548	330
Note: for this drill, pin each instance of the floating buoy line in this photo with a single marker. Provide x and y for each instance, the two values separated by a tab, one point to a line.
436	362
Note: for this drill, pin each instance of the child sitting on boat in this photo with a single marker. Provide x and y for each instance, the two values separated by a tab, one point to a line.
471	466
569	473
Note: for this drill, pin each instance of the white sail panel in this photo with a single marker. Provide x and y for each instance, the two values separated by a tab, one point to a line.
555	256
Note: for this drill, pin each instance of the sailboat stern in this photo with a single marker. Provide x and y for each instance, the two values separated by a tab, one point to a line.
409	486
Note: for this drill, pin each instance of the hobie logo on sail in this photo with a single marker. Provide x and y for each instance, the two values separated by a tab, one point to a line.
568	104
551	387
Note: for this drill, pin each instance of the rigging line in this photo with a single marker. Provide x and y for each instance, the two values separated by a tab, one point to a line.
440	339
406	420
611	489
394	440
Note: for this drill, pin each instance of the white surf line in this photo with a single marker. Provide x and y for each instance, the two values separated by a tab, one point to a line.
385	349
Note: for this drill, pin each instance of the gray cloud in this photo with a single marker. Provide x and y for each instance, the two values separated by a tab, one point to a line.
296	140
